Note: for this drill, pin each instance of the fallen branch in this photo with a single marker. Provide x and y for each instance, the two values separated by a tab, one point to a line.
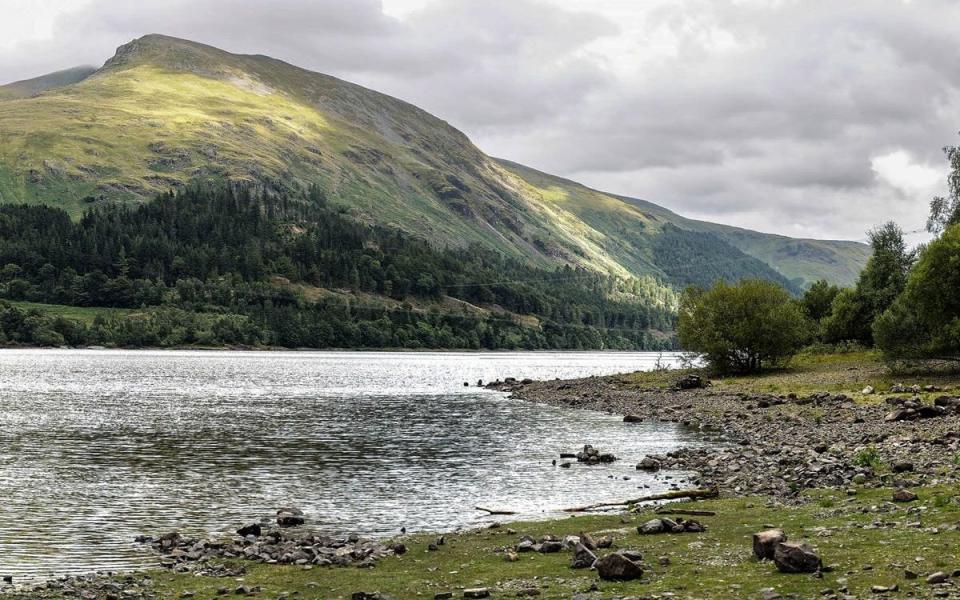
673	495
495	512
679	511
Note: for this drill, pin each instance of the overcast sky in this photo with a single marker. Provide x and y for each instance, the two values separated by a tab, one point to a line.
808	118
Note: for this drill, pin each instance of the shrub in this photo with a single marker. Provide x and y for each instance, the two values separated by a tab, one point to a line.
742	328
868	457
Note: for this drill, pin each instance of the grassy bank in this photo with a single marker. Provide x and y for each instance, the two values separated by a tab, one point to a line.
809	373
865	547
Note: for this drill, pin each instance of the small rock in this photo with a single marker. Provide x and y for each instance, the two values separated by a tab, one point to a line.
289	517
583	558
903	495
765	543
938	577
253	529
651	527
769	594
476	593
617	567
587	540
550	546
648	464
796	558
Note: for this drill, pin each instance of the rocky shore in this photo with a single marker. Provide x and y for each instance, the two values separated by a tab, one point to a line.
780	445
845	492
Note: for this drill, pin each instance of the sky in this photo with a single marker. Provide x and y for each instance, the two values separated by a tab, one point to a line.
808	118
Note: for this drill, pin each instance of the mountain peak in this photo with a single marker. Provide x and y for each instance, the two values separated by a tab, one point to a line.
167	51
165	112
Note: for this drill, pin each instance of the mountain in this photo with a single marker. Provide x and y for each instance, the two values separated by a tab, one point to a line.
164	112
37	85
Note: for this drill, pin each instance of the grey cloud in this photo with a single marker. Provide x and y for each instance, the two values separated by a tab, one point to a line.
765	114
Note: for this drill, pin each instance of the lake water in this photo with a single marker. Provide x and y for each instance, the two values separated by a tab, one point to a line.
99	446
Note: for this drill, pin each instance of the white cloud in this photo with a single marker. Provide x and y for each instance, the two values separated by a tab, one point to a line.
899	170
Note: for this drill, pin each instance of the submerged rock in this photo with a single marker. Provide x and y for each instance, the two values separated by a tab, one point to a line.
289	517
253	529
648	463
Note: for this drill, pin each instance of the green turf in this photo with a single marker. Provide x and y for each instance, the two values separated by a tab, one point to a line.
716	564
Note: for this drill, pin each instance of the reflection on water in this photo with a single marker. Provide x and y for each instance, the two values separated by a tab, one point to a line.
98	446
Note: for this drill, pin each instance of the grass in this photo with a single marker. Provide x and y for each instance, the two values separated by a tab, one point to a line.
84	314
717	564
848	373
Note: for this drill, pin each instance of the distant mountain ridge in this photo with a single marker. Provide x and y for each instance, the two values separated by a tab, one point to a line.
51	81
164	112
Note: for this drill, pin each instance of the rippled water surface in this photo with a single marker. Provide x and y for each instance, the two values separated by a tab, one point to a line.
99	446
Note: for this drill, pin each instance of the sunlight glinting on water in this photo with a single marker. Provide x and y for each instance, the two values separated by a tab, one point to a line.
99	446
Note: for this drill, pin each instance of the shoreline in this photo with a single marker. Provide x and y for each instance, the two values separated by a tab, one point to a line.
827	439
795	457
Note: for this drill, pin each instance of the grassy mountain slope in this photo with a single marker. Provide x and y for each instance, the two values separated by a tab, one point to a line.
806	260
37	85
164	112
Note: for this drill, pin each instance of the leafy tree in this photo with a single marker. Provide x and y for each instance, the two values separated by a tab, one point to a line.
924	322
818	298
743	327
881	281
945	210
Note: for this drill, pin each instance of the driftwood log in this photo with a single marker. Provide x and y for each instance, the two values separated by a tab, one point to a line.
680	511
491	511
694	494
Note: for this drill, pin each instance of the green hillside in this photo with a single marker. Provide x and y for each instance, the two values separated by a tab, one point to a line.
164	112
37	85
800	260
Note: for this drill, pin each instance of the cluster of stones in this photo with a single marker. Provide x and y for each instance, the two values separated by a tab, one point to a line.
275	546
130	587
593	456
664	525
912	409
622	565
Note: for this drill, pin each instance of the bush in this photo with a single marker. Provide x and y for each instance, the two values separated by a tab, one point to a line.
868	457
742	328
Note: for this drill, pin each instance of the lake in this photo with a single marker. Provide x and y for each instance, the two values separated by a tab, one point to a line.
99	446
